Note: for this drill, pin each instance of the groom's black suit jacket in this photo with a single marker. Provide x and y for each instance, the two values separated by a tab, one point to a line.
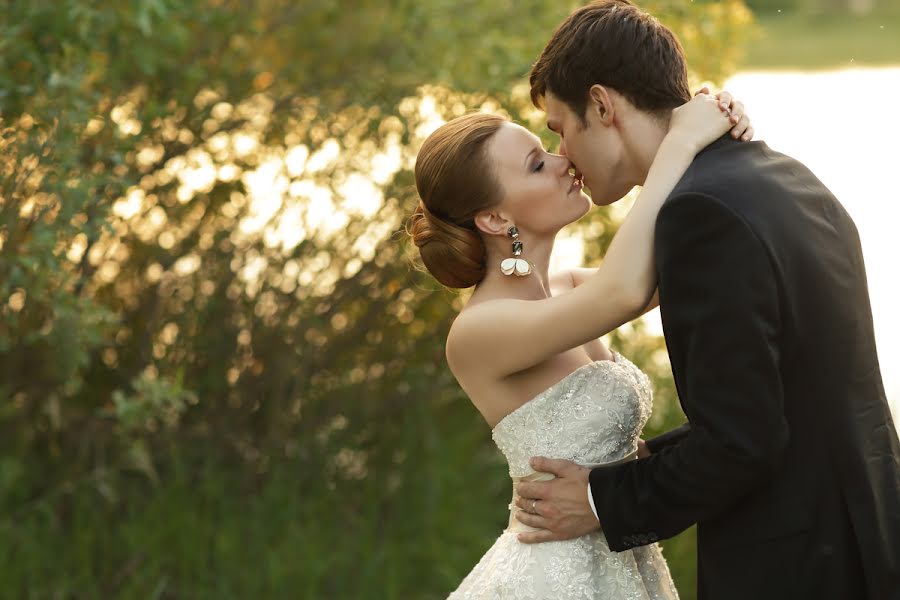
791	462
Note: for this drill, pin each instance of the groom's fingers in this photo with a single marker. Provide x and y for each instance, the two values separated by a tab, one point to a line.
531	520
535	537
532	490
556	466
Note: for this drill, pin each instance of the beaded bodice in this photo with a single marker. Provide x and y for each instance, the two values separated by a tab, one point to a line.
593	415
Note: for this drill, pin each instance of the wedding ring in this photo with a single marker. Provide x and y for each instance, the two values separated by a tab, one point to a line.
533	507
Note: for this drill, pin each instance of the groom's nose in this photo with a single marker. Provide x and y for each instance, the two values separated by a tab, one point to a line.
562	147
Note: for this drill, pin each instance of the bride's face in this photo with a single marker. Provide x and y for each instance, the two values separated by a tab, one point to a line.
540	194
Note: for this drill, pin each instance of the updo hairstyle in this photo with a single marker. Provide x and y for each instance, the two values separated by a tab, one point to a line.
455	181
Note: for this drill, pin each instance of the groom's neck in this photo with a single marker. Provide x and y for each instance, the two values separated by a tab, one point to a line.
644	139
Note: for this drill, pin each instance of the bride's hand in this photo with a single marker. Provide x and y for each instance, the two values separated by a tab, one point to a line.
743	129
706	118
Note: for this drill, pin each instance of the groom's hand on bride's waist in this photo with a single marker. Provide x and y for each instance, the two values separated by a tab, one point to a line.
558	508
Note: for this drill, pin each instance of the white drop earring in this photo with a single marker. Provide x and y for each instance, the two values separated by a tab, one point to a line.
514	264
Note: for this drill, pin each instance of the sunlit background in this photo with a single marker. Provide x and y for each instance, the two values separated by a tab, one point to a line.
834	122
222	369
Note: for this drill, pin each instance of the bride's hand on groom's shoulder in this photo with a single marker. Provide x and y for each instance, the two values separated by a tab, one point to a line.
734	109
706	118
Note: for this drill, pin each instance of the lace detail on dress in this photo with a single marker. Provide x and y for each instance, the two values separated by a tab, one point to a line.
593	415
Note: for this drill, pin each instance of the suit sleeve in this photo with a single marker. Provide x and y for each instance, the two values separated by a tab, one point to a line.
668	438
720	308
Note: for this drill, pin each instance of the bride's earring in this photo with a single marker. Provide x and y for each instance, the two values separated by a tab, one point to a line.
514	264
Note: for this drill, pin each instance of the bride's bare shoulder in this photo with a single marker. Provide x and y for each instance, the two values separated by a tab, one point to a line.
476	320
476	315
486	317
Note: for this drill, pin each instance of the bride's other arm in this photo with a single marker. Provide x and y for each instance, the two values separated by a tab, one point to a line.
618	292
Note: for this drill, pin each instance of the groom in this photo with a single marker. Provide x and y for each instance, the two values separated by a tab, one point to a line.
791	464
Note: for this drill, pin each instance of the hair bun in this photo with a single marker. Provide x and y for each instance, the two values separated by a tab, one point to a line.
455	180
454	255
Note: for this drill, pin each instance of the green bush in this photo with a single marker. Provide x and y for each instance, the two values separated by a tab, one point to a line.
219	374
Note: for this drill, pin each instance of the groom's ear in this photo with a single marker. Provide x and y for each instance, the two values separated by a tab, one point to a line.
600	105
492	222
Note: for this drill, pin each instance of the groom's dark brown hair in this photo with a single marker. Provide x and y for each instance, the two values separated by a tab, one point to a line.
617	45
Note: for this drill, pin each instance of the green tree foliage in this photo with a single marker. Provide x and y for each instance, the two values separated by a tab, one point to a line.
221	375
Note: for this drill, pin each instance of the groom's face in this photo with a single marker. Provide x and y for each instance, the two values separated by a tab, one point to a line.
594	147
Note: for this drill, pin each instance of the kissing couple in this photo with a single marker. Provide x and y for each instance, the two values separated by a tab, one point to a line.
789	463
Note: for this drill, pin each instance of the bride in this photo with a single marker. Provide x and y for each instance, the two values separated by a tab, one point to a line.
525	347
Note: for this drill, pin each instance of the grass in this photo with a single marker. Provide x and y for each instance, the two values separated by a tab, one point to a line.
223	536
809	42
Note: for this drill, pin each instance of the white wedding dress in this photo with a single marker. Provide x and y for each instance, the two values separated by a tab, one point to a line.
592	416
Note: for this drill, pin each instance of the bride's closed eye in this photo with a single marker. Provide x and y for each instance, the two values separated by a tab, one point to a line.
539	166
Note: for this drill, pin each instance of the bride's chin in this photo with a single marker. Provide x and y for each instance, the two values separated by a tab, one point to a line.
585	209
586	201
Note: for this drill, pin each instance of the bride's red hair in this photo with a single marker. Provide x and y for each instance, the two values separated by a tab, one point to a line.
455	181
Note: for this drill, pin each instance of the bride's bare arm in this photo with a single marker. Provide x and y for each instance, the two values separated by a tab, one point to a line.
512	335
579	275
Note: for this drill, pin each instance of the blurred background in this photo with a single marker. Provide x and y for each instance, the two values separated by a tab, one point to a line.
221	374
